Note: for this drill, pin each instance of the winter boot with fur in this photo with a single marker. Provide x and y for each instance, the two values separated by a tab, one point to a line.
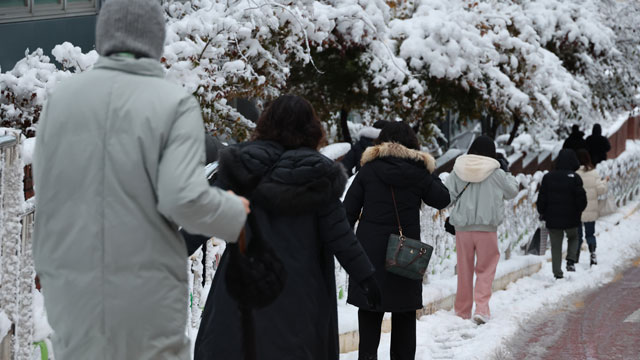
592	250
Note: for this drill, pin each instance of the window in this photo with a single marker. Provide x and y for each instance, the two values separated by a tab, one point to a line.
22	10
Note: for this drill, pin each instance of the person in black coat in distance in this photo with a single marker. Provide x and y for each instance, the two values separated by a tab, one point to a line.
366	136
296	190
395	161
561	200
597	145
575	141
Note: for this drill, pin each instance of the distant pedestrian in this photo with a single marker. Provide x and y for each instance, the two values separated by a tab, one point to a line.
576	140
296	193
366	136
561	200
118	166
597	145
393	162
593	186
481	184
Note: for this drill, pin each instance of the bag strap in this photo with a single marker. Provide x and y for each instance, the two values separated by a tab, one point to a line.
395	207
461	192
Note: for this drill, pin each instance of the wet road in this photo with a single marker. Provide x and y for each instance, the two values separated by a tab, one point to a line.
602	324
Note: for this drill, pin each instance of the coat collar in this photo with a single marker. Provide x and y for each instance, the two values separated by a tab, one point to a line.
389	149
142	66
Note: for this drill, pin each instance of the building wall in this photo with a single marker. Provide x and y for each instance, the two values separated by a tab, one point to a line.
17	37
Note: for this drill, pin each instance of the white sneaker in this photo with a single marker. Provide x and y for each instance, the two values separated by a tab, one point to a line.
480	319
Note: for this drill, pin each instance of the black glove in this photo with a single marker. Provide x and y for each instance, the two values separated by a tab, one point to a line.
504	164
371	292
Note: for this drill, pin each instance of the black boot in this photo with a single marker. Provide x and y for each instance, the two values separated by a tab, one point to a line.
592	250
570	265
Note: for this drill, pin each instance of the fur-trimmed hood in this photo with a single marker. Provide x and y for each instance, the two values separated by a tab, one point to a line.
397	165
389	149
287	181
475	168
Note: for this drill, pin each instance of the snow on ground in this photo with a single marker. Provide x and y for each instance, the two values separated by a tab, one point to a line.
446	336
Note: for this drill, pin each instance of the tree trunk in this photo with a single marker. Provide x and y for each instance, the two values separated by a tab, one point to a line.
516	124
344	126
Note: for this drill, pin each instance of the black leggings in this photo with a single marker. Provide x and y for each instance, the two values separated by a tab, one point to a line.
403	334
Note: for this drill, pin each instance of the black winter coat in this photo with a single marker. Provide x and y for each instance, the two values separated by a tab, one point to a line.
299	190
562	198
598	147
408	171
575	141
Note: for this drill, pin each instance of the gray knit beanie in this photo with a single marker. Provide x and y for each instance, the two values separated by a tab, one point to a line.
134	26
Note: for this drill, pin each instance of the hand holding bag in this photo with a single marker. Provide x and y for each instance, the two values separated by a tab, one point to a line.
405	256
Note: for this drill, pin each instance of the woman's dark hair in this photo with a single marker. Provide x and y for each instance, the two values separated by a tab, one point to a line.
399	132
483	146
290	121
585	159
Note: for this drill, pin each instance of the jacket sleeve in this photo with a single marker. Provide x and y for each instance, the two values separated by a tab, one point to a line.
452	186
354	199
349	161
580	195
435	194
541	203
339	238
184	196
509	185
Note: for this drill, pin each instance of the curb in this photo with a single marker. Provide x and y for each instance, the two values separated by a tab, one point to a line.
349	340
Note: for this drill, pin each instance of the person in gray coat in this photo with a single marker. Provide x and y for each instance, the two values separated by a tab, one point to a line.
119	164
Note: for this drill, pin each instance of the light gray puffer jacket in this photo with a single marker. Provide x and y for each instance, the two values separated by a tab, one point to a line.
481	206
119	163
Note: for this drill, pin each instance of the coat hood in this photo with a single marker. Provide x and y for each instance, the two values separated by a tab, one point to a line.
567	160
398	165
475	168
369	132
287	181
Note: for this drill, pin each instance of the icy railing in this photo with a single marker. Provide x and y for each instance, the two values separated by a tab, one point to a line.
16	263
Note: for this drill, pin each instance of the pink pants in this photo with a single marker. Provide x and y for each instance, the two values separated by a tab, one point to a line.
485	246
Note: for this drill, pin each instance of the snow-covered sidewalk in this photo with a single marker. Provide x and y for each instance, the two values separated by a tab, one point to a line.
446	336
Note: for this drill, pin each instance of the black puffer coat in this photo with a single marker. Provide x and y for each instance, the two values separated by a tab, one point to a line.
409	172
562	198
598	145
299	190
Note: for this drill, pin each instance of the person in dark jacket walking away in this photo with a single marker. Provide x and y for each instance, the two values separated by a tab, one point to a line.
297	190
366	136
481	184
394	162
561	200
575	141
597	145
